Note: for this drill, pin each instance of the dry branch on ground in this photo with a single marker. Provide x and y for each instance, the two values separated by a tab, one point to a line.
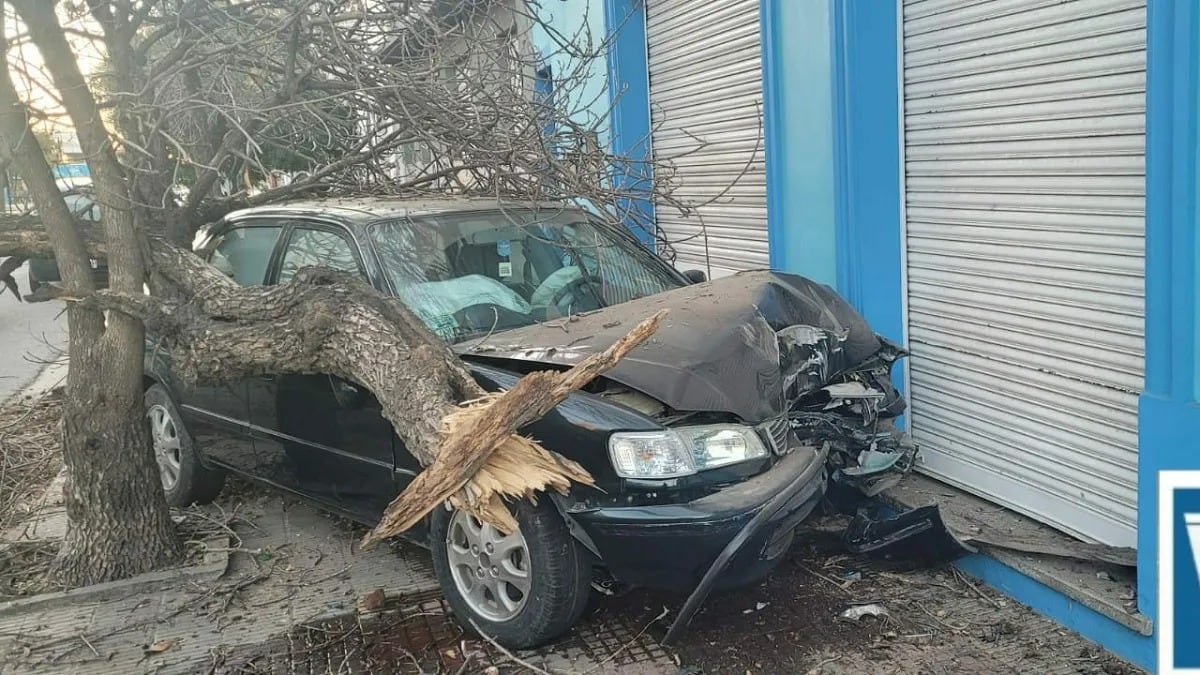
30	456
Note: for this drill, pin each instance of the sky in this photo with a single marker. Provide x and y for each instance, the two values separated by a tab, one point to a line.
33	84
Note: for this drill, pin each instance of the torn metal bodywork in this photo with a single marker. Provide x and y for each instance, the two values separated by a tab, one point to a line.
766	348
747	345
775	351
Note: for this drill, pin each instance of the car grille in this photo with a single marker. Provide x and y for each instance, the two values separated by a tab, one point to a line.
778	433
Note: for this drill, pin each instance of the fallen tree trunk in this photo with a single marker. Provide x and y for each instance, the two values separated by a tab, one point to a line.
22	237
481	459
334	323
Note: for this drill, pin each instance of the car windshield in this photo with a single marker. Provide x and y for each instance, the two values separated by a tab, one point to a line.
470	274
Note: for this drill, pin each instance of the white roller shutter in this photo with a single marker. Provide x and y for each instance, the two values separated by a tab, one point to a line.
1024	159
705	108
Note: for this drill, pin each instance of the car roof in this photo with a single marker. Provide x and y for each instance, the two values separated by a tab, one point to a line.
363	210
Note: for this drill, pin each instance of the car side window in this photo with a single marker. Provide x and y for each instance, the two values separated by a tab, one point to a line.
244	253
309	247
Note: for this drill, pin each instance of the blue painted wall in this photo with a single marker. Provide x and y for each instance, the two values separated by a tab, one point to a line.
576	22
799	128
629	93
867	163
1169	414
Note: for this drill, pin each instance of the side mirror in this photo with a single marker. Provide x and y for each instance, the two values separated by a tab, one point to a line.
695	276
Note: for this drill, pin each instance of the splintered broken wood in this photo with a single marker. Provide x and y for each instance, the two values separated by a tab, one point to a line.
481	459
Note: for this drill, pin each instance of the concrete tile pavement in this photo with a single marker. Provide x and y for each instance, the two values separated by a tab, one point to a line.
294	565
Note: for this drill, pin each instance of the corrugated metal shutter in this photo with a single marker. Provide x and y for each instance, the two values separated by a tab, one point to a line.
705	108
1024	145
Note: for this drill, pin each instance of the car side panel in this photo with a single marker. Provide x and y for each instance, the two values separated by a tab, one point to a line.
324	438
320	435
215	415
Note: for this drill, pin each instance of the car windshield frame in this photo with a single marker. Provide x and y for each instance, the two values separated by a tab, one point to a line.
521	217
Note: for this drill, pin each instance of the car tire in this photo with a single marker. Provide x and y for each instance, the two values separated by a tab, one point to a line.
185	479
558	569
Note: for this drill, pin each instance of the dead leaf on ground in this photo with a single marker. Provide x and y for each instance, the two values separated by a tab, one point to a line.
160	646
372	601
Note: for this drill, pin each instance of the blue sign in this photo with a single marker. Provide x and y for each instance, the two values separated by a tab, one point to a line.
1179	572
503	248
80	170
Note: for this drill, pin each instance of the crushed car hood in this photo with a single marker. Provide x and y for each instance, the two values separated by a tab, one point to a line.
745	344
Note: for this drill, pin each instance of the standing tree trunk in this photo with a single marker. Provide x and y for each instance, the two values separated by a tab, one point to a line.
118	521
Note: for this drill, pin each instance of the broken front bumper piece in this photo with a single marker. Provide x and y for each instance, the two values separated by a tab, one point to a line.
918	535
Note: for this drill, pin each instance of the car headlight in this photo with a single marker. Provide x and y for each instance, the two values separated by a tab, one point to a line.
721	444
682	451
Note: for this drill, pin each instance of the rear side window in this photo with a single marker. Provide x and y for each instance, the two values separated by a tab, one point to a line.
244	253
316	248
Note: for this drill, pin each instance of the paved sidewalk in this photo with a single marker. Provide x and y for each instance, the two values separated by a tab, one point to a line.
296	566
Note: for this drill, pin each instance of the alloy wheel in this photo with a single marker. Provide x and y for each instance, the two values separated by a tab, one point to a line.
490	569
168	448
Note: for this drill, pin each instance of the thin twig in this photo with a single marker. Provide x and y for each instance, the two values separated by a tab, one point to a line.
627	644
958	574
817	668
514	657
327	577
830	580
952	627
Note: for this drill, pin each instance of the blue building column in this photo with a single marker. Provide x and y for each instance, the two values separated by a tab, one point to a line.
799	136
869	233
629	95
831	118
1169	412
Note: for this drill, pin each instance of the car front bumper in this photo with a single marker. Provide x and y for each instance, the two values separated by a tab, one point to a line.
671	546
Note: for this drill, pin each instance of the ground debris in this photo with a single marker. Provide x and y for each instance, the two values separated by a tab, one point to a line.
855	613
30	458
24	568
30	455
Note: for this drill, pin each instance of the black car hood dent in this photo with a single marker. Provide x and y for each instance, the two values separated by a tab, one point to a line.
745	344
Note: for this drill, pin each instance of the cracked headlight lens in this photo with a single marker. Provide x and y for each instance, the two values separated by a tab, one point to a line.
682	451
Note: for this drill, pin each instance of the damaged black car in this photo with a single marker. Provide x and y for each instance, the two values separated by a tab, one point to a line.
709	444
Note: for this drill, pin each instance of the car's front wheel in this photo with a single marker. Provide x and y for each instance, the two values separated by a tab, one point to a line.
522	589
185	479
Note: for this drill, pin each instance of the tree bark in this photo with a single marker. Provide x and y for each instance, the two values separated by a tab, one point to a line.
480	459
118	521
330	322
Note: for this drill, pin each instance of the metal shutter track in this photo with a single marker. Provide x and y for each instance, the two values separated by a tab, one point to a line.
706	84
1025	217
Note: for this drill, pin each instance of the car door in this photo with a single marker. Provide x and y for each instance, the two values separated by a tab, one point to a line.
217	413
321	435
